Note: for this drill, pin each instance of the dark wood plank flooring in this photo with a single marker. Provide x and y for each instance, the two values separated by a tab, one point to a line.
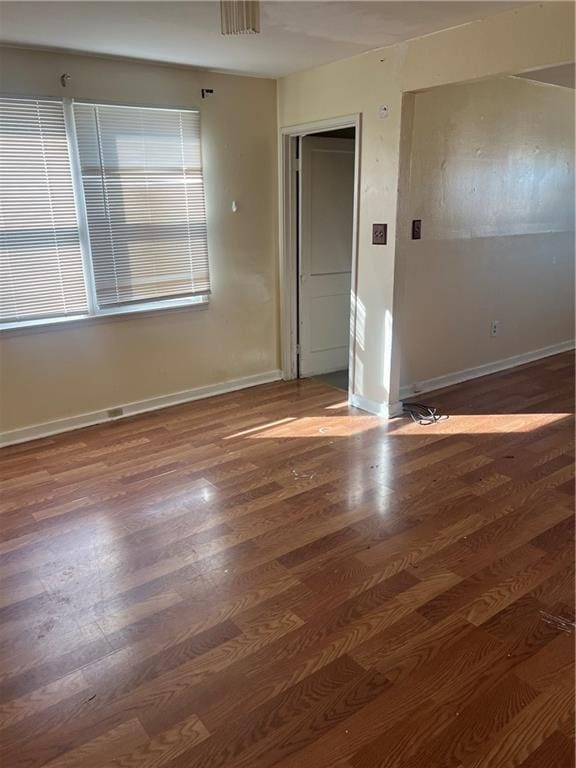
270	578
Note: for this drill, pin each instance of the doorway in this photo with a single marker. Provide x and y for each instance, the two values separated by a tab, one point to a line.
326	212
319	250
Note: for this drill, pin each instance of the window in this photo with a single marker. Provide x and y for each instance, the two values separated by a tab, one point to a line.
101	210
41	273
144	194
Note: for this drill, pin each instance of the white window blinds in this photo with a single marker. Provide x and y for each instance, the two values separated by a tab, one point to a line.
144	195
41	274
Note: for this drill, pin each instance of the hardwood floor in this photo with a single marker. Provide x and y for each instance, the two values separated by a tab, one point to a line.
271	578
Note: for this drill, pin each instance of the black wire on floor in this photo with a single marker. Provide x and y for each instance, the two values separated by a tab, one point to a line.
422	414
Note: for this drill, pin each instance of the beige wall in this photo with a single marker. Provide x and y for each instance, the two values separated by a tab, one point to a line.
492	178
533	36
61	372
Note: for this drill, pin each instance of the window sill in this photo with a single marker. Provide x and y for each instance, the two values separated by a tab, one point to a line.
118	313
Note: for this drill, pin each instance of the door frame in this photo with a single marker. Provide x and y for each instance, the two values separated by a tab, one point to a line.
289	266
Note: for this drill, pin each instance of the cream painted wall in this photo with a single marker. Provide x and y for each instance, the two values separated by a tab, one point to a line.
532	36
65	371
492	178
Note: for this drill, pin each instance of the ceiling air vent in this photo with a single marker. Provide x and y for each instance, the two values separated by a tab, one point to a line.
240	17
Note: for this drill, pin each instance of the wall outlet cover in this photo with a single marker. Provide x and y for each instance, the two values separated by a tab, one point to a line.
379	234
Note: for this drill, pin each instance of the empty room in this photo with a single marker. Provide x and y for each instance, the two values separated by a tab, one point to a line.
287	384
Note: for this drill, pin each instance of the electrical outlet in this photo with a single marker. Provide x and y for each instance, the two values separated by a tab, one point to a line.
379	234
494	327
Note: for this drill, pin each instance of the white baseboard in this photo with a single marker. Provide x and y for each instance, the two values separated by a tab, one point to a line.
429	385
386	410
48	428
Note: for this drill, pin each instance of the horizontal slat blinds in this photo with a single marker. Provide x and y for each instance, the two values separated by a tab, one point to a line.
40	259
144	193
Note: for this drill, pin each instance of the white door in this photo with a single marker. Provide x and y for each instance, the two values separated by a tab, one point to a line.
326	214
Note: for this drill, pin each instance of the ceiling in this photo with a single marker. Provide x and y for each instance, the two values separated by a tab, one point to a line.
295	35
563	75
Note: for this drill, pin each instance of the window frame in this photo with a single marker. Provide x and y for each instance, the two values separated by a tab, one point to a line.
199	301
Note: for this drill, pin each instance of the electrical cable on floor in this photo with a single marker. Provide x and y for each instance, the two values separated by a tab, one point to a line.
422	414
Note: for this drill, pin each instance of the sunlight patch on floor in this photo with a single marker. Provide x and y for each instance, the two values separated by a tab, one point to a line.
481	424
260	427
337	406
358	422
321	426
